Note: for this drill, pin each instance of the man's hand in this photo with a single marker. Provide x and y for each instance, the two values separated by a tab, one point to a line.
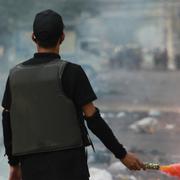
132	162
15	173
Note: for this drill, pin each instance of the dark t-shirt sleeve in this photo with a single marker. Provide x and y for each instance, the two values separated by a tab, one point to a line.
6	101
77	86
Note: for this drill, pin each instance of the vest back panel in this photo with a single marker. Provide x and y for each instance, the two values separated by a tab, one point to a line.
43	118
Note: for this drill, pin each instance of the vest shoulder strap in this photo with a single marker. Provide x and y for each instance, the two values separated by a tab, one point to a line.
62	64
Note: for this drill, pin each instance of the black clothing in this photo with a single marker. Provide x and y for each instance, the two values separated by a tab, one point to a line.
100	128
64	165
77	87
48	26
7	134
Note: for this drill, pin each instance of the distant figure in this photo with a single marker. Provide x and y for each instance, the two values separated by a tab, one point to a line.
45	103
127	58
161	59
177	61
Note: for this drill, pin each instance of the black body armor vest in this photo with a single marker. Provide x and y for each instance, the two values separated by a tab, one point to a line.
42	117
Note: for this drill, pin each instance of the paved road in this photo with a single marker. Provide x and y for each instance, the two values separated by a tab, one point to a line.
141	90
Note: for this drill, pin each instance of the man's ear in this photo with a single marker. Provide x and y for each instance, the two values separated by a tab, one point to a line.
33	37
62	37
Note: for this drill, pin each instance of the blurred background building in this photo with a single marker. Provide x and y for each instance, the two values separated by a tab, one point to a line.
147	30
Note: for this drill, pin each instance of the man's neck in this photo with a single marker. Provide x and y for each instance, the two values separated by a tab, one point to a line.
49	50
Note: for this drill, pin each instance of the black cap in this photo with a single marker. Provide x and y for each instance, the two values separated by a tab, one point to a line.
48	25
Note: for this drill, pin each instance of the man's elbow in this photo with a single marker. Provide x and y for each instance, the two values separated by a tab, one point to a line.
89	109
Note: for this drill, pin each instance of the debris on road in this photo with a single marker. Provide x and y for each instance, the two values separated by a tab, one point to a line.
117	167
99	174
154	113
145	125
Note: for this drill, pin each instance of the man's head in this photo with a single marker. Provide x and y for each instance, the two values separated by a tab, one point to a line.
48	29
